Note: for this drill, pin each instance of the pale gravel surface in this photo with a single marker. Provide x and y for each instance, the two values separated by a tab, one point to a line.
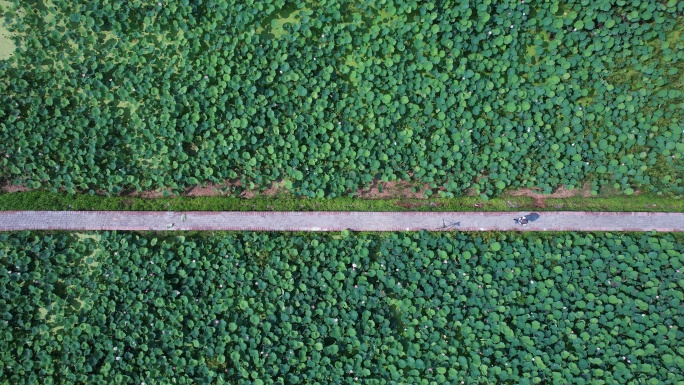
336	221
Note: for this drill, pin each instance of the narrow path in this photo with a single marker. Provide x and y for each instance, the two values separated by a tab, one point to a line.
337	221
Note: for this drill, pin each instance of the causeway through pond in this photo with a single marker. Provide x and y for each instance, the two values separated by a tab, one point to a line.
337	221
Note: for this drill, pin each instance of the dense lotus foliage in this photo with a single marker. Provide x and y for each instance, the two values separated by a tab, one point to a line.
468	96
421	308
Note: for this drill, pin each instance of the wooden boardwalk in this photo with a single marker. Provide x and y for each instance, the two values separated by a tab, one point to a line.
337	221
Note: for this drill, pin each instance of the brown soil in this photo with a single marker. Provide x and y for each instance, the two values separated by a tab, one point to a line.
397	189
276	189
390	190
210	189
144	194
561	192
10	188
215	189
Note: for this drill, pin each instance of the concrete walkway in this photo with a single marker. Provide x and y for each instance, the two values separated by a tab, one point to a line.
336	221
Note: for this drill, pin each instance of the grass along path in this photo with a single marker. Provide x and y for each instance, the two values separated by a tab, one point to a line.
43	200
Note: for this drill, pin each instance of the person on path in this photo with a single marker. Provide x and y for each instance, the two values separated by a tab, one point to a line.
522	220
